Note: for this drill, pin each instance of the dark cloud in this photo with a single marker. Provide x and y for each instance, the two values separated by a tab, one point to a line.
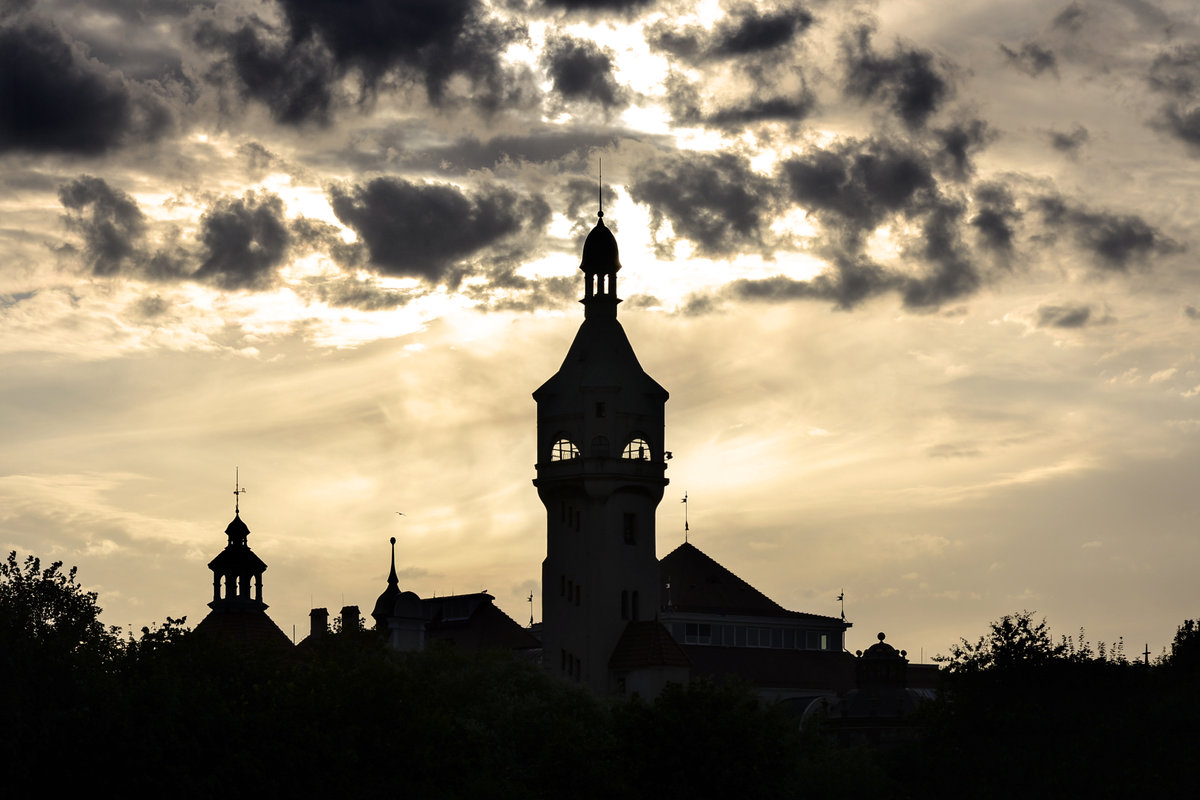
507	291
714	200
349	292
1182	124
768	109
1069	141
907	80
1119	241
950	271
1191	312
582	198
52	100
852	186
745	30
429	40
1063	316
686	106
573	145
582	71
240	244
244	241
850	282
1071	18
110	222
426	230
12	8
150	306
959	143
316	236
597	5
295	81
1177	72
296	69
1031	59
995	217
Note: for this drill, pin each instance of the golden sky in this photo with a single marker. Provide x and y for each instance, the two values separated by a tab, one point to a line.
919	277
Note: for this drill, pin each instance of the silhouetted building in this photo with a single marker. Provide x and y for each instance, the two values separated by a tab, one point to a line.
728	628
468	621
600	474
878	709
474	622
238	611
398	615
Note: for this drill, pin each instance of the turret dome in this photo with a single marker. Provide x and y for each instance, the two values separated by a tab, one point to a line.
600	254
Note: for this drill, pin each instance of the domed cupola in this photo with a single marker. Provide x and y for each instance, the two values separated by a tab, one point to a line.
236	530
600	263
881	665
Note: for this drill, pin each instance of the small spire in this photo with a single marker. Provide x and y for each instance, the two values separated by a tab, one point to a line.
392	579
237	492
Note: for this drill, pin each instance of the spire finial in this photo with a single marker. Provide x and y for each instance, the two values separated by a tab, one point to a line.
600	189
238	491
392	579
685	518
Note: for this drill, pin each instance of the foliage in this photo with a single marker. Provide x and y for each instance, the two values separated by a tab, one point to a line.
1015	640
47	611
173	712
1185	647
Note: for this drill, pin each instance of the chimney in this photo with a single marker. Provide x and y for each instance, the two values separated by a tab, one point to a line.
349	618
318	622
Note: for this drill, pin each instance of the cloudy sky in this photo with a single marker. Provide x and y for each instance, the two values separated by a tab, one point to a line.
919	276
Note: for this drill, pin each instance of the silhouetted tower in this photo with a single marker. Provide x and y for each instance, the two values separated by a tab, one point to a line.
398	614
238	610
237	572
600	474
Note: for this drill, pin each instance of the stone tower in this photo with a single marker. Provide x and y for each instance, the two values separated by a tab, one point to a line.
600	474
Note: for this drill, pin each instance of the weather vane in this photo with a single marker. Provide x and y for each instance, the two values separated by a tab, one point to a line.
238	491
600	188
531	609
685	518
841	598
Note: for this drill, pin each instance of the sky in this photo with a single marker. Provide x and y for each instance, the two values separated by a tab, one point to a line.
919	276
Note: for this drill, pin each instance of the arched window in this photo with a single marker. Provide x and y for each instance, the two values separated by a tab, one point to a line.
564	450
637	450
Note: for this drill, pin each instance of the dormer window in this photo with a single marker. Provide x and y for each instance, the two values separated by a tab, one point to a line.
637	450
564	450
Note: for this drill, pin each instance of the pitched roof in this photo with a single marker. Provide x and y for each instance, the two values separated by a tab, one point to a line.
474	622
647	644
247	626
701	585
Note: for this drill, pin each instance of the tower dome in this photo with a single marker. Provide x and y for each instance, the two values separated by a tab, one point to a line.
600	253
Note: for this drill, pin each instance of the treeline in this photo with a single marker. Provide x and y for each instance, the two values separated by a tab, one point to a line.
87	710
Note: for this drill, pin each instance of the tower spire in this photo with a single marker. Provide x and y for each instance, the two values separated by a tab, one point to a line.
237	492
392	579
